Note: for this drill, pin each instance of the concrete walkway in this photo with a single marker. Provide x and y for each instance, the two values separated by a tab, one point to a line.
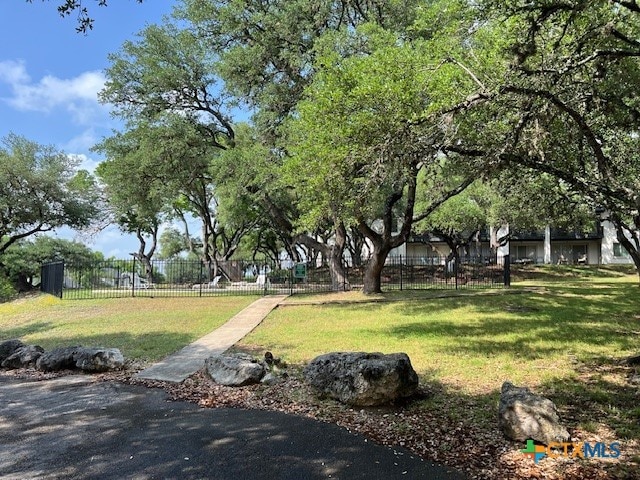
178	366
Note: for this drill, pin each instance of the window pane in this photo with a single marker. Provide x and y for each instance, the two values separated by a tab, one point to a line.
618	250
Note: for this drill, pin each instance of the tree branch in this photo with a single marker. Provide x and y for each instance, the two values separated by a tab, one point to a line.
601	159
469	72
19	236
445	196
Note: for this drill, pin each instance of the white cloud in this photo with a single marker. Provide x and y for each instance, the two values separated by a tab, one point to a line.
77	95
13	72
82	142
84	162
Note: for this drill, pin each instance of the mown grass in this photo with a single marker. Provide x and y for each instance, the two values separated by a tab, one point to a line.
472	340
145	329
527	274
558	336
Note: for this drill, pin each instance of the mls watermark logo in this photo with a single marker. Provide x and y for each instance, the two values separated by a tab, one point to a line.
572	450
536	452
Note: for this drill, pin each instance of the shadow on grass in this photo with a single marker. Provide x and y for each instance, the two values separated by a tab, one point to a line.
531	325
459	419
554	273
599	391
28	329
150	346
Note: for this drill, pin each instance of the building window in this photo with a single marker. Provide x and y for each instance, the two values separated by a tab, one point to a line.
562	253
619	251
526	252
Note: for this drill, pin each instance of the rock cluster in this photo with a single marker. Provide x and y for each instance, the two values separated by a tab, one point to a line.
238	369
362	379
16	354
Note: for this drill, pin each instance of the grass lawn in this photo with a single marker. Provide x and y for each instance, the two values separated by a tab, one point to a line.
561	333
145	329
471	341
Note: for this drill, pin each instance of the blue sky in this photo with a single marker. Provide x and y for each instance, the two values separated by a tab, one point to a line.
50	76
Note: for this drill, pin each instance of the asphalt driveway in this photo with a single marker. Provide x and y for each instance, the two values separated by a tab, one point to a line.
74	428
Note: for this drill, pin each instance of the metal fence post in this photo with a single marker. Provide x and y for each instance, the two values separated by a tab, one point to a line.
507	270
52	278
401	272
61	278
43	281
264	292
345	277
455	270
201	278
133	277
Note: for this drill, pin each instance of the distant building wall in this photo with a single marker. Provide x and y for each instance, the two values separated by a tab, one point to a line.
538	249
612	251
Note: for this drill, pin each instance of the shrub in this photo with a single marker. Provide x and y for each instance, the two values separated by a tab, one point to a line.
7	292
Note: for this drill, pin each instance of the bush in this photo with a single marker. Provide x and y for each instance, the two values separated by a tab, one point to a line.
7	292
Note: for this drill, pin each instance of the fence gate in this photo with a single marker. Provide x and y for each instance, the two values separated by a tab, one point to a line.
52	278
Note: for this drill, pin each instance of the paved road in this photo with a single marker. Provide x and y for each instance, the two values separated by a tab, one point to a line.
73	428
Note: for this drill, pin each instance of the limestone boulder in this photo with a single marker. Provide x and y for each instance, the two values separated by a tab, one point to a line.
23	357
362	379
98	359
88	359
235	370
57	359
523	415
8	348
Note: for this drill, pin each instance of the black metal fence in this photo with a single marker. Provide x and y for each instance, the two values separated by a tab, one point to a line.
421	273
188	278
52	278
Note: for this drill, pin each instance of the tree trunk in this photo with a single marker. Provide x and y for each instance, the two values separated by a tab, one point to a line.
339	280
207	256
145	257
631	246
333	254
385	241
373	271
214	270
22	283
148	268
187	235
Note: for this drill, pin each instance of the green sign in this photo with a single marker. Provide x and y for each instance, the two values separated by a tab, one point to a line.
300	270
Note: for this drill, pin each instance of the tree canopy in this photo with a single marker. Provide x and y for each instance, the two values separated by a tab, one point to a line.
568	105
40	190
24	259
372	117
371	123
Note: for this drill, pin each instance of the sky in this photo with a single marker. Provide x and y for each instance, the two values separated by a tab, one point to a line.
50	77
